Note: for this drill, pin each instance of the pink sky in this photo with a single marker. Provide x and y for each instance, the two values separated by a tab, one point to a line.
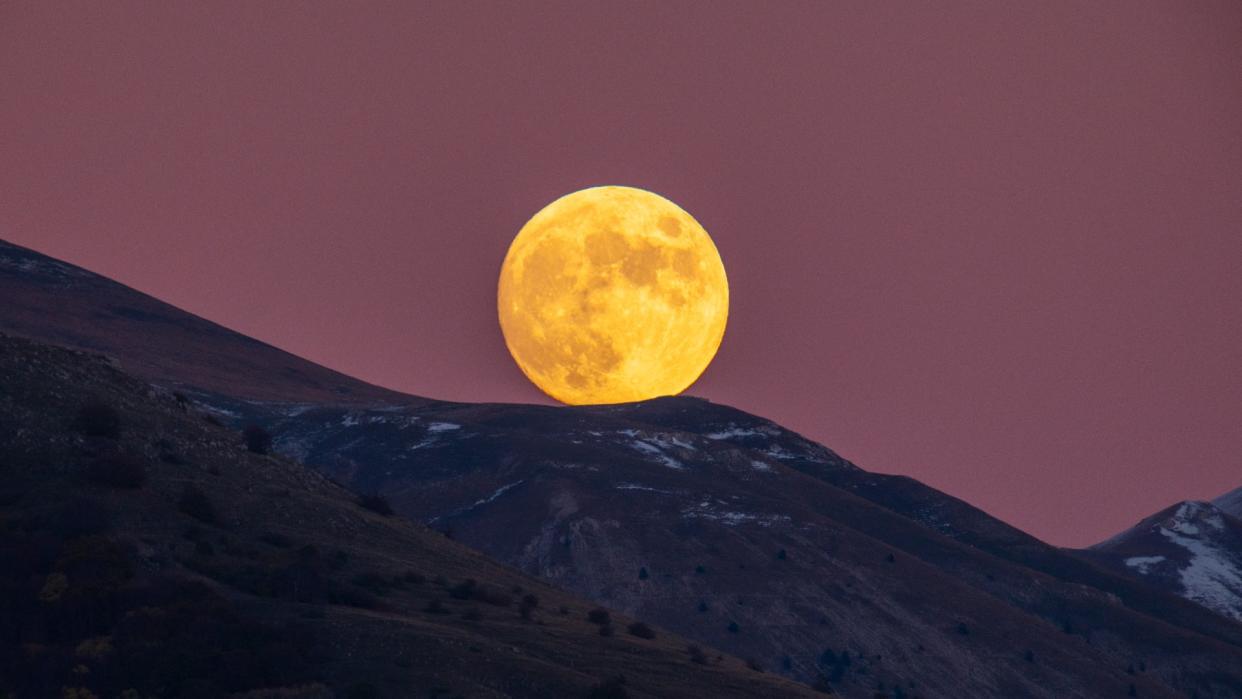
995	246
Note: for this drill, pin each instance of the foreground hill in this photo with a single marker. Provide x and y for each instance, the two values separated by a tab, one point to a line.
145	552
728	529
1193	549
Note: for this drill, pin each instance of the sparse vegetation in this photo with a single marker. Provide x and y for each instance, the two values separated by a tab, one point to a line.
600	616
606	630
696	654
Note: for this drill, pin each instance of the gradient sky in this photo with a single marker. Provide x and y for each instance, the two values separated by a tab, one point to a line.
996	246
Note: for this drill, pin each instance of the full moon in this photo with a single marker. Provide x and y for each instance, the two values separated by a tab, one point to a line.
611	295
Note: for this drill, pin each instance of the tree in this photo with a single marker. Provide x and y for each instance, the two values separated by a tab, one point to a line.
117	470
98	419
641	630
258	440
195	503
376	503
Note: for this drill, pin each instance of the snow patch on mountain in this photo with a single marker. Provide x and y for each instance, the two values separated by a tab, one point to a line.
1212	575
1143	564
657	454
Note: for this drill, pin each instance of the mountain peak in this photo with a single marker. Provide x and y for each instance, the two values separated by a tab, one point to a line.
1193	548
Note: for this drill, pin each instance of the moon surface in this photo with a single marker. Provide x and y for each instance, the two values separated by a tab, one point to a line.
612	294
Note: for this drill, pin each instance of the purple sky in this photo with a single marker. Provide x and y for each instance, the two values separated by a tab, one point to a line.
996	246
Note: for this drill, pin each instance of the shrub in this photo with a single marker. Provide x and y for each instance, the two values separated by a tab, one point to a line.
98	419
276	539
362	690
600	616
117	470
471	589
435	606
612	688
963	629
528	606
195	503
80	517
372	581
700	570
606	630
352	596
306	691
702	606
754	665
413	578
641	630
696	654
733	627
782	555
376	503
258	440
643	574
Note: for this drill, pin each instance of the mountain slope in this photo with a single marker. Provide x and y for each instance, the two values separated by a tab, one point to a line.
704	517
728	529
1193	549
57	302
143	548
1230	503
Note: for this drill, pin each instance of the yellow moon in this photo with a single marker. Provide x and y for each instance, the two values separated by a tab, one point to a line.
611	295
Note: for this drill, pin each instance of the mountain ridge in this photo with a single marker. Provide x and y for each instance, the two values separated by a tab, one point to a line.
731	530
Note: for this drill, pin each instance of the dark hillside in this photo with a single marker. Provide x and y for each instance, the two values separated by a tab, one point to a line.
145	551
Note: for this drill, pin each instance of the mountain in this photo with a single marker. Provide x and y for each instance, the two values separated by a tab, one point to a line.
1230	503
722	527
67	305
1193	549
145	552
